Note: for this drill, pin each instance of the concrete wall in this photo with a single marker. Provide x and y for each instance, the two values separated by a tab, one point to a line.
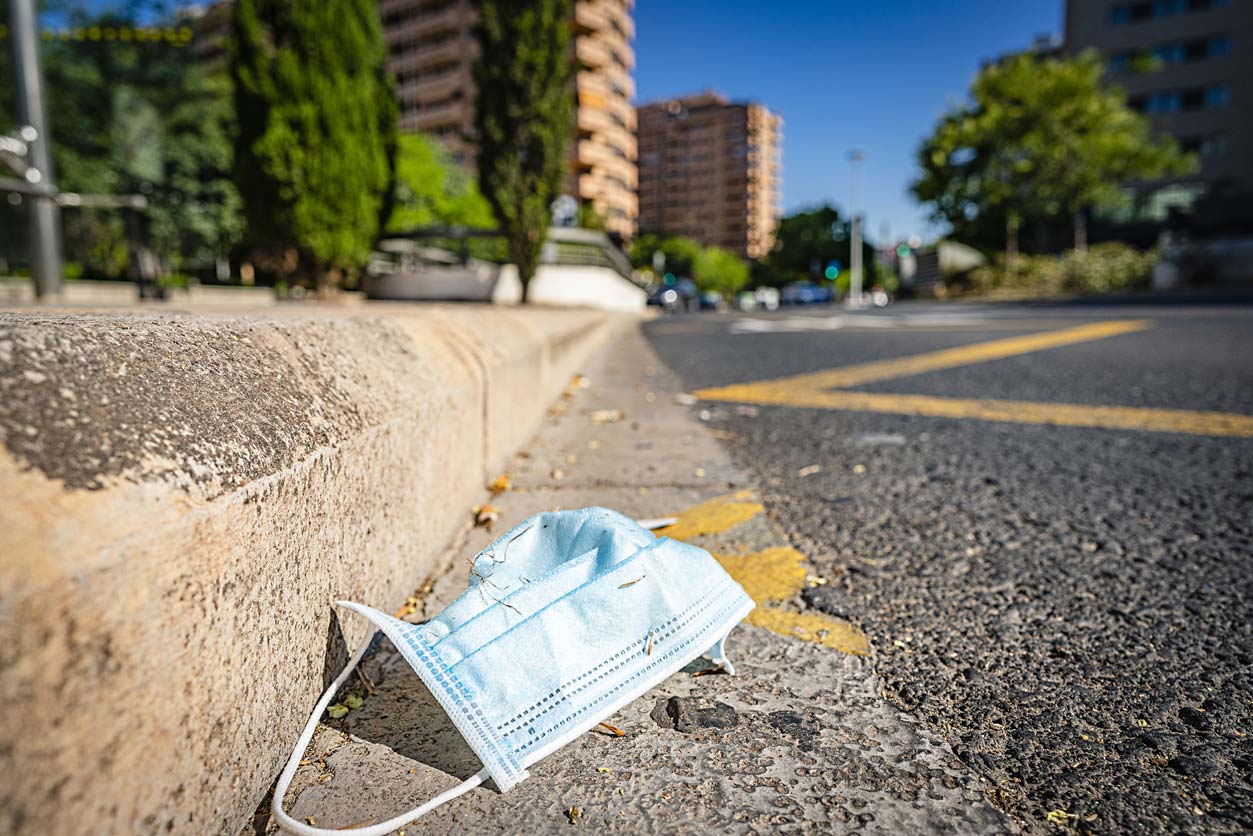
562	284
182	498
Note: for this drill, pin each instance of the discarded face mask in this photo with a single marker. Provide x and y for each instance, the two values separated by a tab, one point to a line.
567	618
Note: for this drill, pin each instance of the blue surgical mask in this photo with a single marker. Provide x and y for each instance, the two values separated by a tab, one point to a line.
567	618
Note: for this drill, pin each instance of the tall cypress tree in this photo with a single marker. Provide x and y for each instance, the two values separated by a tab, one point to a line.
314	156
523	118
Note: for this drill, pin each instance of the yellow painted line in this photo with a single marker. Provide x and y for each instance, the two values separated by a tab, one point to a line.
1022	412
770	576
777	574
948	358
811	627
774	574
713	517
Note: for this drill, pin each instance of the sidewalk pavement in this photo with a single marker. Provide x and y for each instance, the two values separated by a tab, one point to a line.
801	739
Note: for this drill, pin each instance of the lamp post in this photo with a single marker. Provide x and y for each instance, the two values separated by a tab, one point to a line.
45	250
854	283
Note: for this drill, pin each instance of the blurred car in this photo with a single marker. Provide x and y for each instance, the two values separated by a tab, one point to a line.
746	301
711	300
767	297
804	293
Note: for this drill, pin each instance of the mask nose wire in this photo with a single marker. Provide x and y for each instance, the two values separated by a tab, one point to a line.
289	771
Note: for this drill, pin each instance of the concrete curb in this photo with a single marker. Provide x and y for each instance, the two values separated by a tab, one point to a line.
182	498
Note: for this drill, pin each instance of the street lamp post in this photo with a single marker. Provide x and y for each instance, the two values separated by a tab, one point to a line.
45	251
854	283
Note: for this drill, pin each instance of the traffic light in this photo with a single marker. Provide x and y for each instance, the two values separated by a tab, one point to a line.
833	270
902	250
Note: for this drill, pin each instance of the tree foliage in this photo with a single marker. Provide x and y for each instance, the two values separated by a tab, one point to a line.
1040	140
807	241
136	117
523	118
719	270
680	253
432	190
316	143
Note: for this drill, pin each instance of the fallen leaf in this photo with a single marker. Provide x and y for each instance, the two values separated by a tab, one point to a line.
607	416
604	769
1059	817
631	583
336	711
500	484
485	515
353	701
573	815
613	730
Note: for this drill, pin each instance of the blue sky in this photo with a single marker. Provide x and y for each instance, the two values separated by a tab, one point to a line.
873	74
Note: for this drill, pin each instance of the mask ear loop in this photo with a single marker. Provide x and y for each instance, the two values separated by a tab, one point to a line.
285	778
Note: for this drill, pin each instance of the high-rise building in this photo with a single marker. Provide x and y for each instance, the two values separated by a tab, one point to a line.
432	51
1180	62
709	169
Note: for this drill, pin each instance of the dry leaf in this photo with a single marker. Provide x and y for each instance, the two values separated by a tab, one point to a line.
607	416
485	515
613	730
573	815
500	484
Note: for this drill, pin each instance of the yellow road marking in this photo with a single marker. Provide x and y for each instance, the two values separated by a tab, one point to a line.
777	574
811	627
713	517
878	370
770	576
1025	412
826	390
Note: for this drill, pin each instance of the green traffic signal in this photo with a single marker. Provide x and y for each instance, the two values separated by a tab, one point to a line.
832	272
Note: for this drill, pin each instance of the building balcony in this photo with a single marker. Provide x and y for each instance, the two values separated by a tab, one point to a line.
418	57
427	118
451	19
437	87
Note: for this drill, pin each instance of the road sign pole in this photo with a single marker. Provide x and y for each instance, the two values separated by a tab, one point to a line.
45	217
854	283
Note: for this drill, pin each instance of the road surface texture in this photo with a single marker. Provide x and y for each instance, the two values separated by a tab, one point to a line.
800	740
1039	515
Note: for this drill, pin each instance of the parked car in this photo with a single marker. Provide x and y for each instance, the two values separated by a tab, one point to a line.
767	297
804	293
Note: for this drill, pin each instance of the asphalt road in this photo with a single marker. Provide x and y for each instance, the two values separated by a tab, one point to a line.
1047	541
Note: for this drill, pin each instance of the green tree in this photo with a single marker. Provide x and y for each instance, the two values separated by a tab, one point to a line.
432	190
807	241
680	253
1040	140
316	110
716	269
138	116
523	118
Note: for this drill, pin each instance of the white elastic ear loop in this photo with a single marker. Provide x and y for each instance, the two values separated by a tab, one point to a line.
284	780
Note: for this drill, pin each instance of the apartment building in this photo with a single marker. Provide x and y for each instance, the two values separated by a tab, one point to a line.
709	169
432	52
1185	64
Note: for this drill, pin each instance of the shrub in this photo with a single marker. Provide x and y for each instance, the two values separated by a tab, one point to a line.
1103	268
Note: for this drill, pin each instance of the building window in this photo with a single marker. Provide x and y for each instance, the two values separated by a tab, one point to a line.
1124	13
1216	96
